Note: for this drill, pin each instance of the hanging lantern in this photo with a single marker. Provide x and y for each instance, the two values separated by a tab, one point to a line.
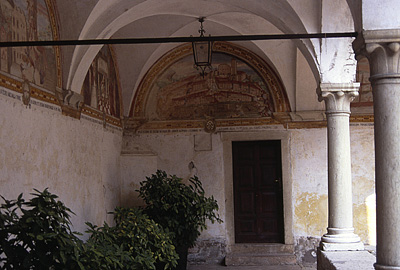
202	52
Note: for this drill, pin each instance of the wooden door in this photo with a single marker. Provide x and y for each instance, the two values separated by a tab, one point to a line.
258	198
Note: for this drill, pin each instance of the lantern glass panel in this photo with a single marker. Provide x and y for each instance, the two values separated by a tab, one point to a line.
201	52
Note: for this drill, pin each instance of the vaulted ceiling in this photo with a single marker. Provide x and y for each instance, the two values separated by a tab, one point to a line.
91	19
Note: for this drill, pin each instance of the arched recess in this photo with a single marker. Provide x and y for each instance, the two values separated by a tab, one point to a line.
34	65
241	86
101	88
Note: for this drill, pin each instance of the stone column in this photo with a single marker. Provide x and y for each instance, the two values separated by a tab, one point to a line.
382	47
340	236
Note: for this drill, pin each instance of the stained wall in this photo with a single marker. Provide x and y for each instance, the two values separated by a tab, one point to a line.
304	165
76	159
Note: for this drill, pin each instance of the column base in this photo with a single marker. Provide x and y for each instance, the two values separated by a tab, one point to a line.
342	246
384	267
340	240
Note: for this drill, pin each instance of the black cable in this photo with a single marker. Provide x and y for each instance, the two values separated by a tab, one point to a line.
173	39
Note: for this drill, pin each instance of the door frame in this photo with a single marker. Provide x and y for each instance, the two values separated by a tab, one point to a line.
265	135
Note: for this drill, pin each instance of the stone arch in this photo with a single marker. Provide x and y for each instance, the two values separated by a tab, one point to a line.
274	87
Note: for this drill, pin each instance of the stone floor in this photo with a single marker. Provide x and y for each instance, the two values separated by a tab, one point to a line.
274	267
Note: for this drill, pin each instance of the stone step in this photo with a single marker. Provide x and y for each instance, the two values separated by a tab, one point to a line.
247	259
262	248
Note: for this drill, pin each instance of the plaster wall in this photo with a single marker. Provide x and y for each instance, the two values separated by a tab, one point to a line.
82	162
173	153
304	156
310	179
363	174
76	159
134	169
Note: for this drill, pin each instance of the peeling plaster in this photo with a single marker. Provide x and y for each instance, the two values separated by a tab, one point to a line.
311	214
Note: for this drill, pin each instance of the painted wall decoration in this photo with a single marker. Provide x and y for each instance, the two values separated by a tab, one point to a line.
27	20
241	87
365	92
101	88
232	90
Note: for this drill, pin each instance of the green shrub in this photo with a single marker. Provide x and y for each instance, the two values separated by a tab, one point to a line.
103	251
36	234
138	241
181	209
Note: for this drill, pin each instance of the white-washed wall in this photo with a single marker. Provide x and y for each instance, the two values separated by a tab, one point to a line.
173	152
76	159
81	162
363	172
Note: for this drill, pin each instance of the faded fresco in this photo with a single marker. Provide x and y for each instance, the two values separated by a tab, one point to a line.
231	90
365	92
100	88
27	20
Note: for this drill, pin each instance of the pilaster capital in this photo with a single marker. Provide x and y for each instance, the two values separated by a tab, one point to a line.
337	96
382	48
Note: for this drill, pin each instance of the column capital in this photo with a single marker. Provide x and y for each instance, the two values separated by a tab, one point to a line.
382	48
337	96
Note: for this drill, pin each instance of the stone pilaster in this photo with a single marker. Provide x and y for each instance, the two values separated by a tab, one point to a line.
382	48
340	236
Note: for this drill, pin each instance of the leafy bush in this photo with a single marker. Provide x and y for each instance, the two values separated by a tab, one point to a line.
36	234
103	251
138	241
179	208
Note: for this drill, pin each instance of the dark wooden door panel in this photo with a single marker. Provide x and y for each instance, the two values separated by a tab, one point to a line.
258	192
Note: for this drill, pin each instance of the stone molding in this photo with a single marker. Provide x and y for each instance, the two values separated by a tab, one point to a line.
337	96
341	239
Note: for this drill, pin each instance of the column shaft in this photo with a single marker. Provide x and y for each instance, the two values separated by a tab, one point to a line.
340	234
387	166
382	48
339	171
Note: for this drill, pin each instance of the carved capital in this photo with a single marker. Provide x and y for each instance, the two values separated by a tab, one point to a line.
382	48
70	101
337	96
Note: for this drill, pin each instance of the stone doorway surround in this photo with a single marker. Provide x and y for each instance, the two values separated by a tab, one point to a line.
233	249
